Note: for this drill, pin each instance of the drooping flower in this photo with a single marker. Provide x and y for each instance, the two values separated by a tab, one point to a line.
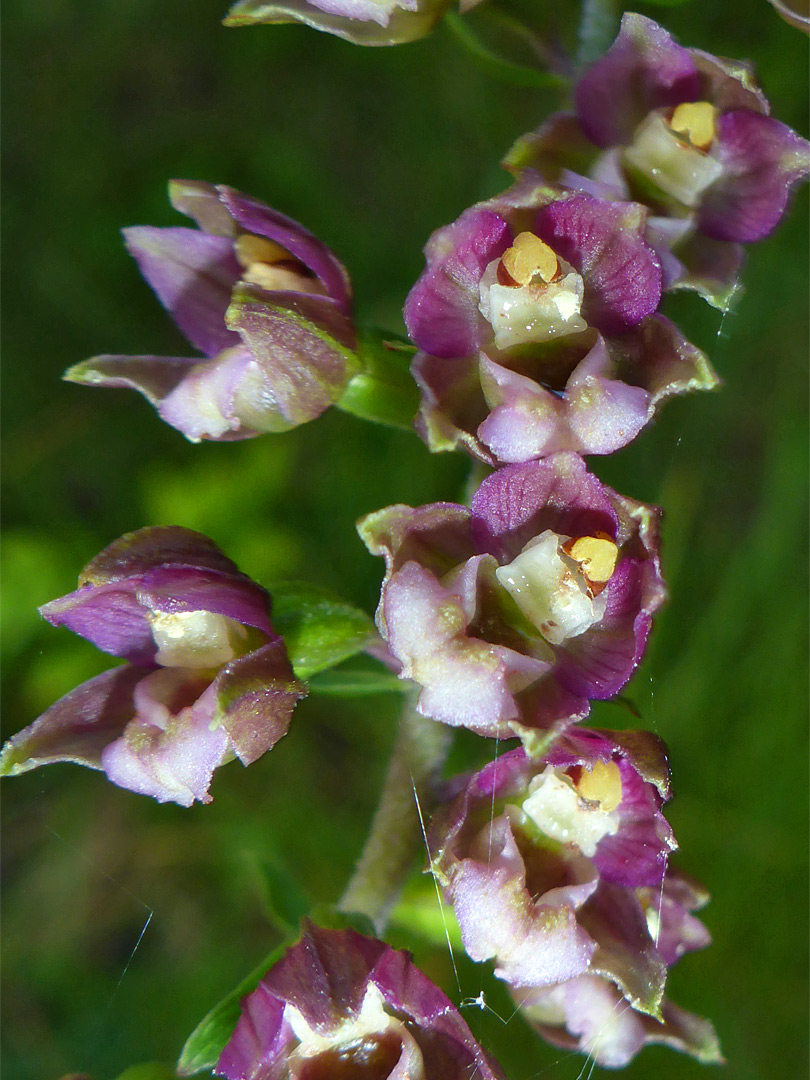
557	870
266	303
363	22
339	1005
511	616
207	677
537	320
688	134
594	1012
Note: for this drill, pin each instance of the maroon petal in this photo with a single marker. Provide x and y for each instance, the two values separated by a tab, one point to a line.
441	311
762	160
192	274
255	698
644	69
519	502
79	726
604	241
255	217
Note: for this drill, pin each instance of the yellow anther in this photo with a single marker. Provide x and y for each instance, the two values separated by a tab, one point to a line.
530	257
694	121
602	783
251	249
596	555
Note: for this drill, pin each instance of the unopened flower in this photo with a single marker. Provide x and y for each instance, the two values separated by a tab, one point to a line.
363	22
266	303
208	679
688	134
537	320
512	615
339	1005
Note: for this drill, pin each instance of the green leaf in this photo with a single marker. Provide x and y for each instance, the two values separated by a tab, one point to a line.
283	899
383	391
205	1043
319	629
149	1070
496	65
357	683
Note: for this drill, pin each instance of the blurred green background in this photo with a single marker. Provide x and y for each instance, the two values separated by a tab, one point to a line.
124	920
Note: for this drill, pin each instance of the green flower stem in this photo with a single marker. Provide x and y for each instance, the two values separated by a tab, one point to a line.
395	836
597	28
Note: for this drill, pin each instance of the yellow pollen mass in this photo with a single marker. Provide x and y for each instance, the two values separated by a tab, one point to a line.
530	257
596	555
250	249
602	783
694	120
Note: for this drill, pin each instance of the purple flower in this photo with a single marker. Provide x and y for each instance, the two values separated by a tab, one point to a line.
556	868
340	1005
596	1012
537	317
363	22
524	848
266	303
511	616
685	132
207	678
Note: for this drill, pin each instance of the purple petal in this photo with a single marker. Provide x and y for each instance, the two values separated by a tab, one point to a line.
441	311
255	217
450	1051
354	20
109	616
519	502
258	1047
169	749
437	536
205	403
452	404
626	954
303	345
255	698
526	422
534	942
671	907
465	681
136	553
644	69
662	361
762	160
192	274
79	726
604	241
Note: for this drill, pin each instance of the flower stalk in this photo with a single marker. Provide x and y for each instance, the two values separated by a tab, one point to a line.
396	832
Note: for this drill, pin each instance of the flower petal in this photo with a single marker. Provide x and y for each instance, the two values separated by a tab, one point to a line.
79	726
604	241
644	69
441	311
192	274
762	160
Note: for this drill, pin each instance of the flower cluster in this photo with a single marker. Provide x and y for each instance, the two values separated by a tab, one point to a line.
540	337
538	314
207	677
